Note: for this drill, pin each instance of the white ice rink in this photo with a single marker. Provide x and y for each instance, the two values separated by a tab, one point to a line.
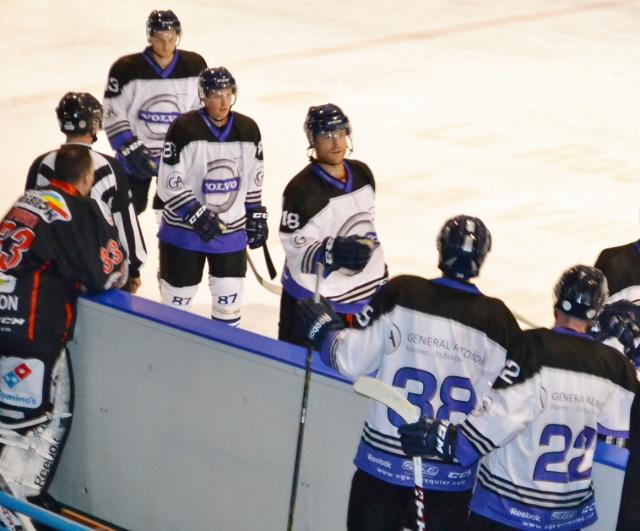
523	112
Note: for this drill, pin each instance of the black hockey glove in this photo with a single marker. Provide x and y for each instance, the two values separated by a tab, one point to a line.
621	320
352	252
429	437
316	320
140	163
257	228
204	222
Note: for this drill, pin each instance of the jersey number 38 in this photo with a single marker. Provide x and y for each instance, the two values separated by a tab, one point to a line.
456	394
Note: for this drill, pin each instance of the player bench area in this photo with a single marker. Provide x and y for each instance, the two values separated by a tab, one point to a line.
181	422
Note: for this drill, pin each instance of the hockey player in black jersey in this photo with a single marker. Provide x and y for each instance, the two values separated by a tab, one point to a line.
444	343
621	267
328	217
80	118
537	429
145	93
211	182
53	241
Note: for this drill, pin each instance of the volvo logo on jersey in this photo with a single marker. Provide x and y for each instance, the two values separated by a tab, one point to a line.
157	113
21	383
221	184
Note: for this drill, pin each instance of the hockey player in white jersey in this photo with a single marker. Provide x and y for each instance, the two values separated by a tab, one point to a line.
145	93
442	341
80	118
619	326
538	427
211	182
328	217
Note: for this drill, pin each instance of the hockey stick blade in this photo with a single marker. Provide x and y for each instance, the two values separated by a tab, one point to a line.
267	259
387	395
273	288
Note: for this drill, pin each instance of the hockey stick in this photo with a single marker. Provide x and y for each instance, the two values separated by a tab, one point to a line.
273	288
303	412
393	399
524	320
267	258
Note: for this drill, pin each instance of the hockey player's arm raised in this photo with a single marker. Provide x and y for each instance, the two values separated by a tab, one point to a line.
515	401
352	352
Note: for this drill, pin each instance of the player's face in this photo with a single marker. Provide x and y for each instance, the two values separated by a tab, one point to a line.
331	147
218	104
163	43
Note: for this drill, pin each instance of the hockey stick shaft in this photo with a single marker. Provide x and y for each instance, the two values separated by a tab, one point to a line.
267	259
394	400
273	288
303	413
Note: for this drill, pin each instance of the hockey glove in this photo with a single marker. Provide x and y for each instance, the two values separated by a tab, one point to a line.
316	320
429	437
352	252
257	229
140	163
621	320
204	222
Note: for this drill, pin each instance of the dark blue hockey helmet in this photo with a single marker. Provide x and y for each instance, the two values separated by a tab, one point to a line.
162	21
620	320
215	79
463	244
581	292
79	113
325	119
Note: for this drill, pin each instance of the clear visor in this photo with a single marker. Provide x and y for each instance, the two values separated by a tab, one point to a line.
170	36
227	95
337	134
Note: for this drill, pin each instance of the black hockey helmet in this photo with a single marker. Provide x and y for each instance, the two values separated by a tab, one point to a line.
463	244
162	21
215	79
79	113
325	119
581	292
620	320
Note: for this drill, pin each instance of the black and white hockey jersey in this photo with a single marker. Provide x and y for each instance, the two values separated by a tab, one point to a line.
621	267
538	431
52	241
315	206
444	343
221	168
111	188
142	99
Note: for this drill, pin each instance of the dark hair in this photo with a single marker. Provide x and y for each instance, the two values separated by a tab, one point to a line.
72	162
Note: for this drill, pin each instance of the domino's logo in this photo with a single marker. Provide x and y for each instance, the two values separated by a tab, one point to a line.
17	375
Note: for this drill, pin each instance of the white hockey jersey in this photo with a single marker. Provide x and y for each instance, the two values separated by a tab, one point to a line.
141	99
441	341
221	168
315	206
557	391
